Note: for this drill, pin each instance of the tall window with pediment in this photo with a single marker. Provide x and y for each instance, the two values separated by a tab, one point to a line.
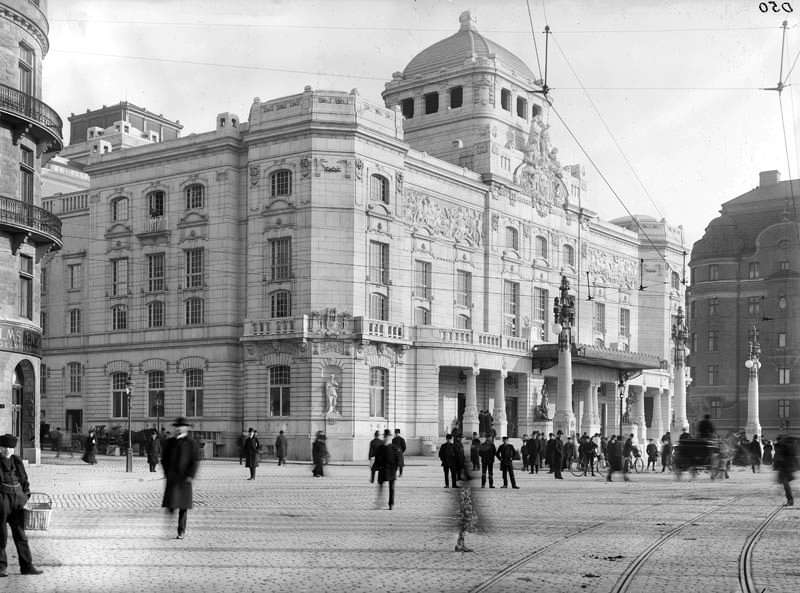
119	209
195	196
379	189
512	238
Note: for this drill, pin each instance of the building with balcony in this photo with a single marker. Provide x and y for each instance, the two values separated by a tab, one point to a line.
336	264
30	134
745	282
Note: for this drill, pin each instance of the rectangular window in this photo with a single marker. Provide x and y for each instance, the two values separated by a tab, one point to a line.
784	376
716	409
378	391
713	305
407	107
155	314
155	202
119	277
431	102
194	311
713	340
194	392
43	322
27	60
505	99
713	374
713	272
43	379
784	408
155	272
194	268
280	390
599	318
26	286
422	316
43	280
378	262
783	266
155	394
464	288
75	377
456	97
463	322
782	340
378	308
119	395
26	171
754	306
74	321
281	304
522	107
280	259
74	276
119	317
625	322
752	270
541	300
510	308
422	277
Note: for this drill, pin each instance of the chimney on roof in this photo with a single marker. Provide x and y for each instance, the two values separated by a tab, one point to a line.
767	178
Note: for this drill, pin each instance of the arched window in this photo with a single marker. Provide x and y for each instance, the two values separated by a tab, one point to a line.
281	303
676	281
377	307
280	379
119	395
195	196
512	238
119	317
155	314
422	316
378	391
194	392
280	183
379	189
541	247
569	255
463	322
156	203
155	393
119	209
194	311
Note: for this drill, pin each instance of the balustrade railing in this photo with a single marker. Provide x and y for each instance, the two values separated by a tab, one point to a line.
27	216
14	100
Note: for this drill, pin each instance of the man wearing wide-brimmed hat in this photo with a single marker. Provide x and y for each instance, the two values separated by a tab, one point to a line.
14	493
180	458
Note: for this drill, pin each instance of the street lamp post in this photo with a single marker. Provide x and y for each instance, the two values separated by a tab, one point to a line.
680	334
621	400
564	317
129	453
753	364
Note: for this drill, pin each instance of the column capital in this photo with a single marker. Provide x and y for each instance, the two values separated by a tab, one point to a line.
504	372
475	368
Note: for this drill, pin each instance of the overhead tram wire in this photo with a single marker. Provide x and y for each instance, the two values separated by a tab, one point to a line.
533	36
608	129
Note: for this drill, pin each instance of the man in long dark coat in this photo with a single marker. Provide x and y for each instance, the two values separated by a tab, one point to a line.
153	449
549	449
474	451
785	463
487	453
557	458
614	452
387	463
319	455
505	453
461	458
447	455
281	446
14	493
252	450
376	442
399	444
180	458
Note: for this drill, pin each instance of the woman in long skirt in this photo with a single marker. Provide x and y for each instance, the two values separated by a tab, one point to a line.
90	448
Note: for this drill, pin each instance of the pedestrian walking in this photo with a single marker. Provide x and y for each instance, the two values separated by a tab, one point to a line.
557	456
652	454
666	451
535	452
549	449
614	452
768	449
387	462
281	446
153	449
319	454
627	455
705	428
754	447
487	454
58	441
461	459
447	455
506	453
785	464
90	448
474	452
523	452
376	442
252	452
180	459
400	444
569	454
14	493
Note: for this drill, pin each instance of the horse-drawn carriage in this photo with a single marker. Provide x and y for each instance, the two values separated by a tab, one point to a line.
694	455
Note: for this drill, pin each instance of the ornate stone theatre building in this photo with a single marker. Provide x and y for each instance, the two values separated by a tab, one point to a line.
30	133
341	265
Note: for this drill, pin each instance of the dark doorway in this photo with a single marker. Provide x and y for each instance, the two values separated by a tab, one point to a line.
512	417
462	404
648	411
23	395
73	421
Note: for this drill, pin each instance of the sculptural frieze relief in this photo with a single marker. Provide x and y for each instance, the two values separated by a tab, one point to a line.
457	223
540	174
610	269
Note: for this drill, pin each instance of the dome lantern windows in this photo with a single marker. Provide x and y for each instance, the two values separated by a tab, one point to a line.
431	103
407	107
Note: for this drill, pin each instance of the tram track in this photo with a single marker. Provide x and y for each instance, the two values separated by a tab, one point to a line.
745	561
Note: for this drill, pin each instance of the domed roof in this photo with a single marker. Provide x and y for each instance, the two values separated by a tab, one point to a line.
465	45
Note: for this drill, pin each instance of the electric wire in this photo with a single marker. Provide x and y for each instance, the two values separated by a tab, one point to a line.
533	36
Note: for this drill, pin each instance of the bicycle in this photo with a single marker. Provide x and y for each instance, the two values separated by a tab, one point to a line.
635	463
582	468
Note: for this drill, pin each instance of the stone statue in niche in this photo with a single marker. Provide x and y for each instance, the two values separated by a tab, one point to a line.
332	393
542	411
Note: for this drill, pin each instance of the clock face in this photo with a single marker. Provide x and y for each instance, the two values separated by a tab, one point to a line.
782	302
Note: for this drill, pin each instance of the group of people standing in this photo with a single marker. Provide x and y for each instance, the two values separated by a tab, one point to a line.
387	459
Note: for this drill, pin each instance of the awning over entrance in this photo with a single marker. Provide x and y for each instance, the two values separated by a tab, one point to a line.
545	356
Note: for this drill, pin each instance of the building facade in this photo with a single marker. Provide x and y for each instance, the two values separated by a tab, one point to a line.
746	289
334	264
30	133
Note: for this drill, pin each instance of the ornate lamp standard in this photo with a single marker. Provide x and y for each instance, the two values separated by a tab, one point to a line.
129	453
753	363
564	316
680	334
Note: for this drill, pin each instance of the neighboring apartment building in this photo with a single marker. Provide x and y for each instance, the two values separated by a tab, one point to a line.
746	277
30	134
333	264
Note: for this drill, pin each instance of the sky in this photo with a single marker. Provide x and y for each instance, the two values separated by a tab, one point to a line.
664	96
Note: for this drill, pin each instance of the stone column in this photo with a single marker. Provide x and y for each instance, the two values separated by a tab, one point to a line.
752	426
637	413
470	420
679	399
564	417
657	430
579	399
500	420
666	418
590	422
534	386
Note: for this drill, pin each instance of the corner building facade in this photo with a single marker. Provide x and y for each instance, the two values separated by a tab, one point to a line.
30	133
332	264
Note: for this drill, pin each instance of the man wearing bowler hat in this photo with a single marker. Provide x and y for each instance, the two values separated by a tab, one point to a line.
180	458
14	493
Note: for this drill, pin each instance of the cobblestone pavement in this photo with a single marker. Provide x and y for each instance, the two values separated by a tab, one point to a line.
287	531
